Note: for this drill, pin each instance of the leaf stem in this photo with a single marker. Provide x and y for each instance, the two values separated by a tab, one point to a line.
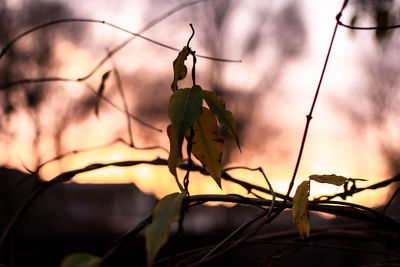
193	53
190	139
190	162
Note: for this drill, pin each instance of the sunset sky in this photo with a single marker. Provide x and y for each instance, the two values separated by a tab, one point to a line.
335	144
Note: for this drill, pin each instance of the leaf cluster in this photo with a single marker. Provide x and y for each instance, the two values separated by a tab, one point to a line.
187	113
197	124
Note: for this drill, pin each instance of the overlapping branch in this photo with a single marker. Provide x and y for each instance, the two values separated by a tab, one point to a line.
345	209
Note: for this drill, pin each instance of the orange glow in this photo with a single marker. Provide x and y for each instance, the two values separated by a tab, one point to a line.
158	181
330	147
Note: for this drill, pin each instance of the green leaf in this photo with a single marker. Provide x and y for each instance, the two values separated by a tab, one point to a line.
333	179
225	117
180	69
175	152
81	260
300	209
167	211
100	91
208	145
184	109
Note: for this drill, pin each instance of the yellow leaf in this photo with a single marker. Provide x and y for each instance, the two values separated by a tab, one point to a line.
180	69
333	179
175	153
300	209
208	145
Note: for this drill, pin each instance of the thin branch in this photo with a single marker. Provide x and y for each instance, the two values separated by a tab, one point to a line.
240	241
390	200
327	246
120	241
348	204
238	230
309	116
316	231
57	79
248	186
123	110
190	162
367	28
139	35
124	101
271	190
321	232
344	209
74	152
36	192
38	80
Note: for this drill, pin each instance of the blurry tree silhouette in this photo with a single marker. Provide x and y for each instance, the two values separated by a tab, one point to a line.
272	37
35	57
377	106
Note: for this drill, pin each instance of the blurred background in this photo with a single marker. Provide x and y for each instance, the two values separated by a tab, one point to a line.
282	46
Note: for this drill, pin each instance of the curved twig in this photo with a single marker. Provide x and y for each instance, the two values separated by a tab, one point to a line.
367	28
77	151
123	110
272	192
124	102
241	228
248	186
83	20
125	237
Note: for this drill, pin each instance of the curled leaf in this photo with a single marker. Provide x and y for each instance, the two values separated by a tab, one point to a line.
180	69
100	91
167	211
225	117
208	145
300	209
333	179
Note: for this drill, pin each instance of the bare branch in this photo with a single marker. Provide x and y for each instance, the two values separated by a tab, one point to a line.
309	116
125	103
